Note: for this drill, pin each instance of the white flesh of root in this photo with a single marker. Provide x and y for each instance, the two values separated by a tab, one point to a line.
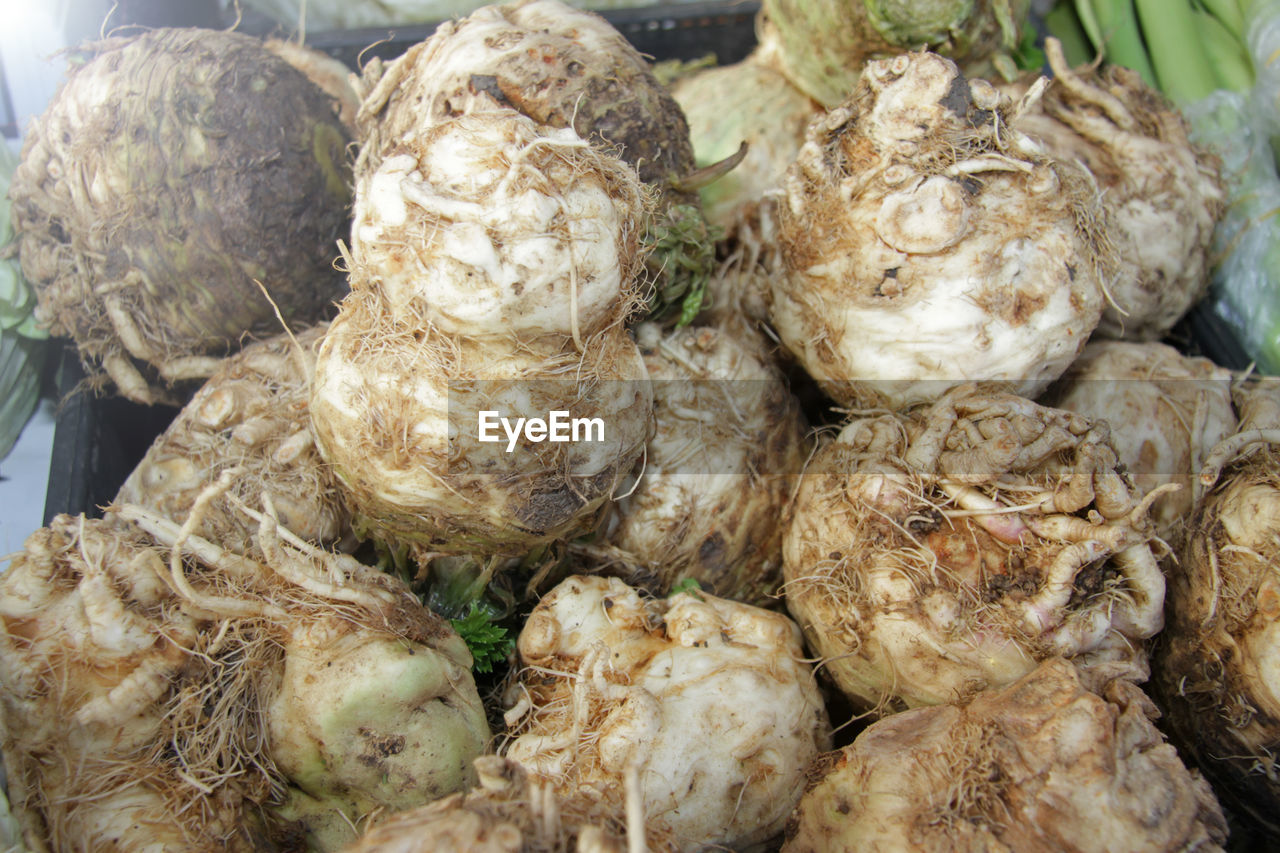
937	554
704	703
488	226
916	217
1041	766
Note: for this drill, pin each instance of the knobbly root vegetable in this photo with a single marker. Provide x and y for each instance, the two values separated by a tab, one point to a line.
728	447
140	663
946	551
1166	412
1215	669
512	300
170	172
824	45
509	810
917	218
396	411
1042	765
253	416
1164	193
512	231
699	707
562	68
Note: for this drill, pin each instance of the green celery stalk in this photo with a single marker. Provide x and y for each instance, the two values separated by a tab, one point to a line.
1176	47
1063	23
1232	65
1229	13
1122	38
1089	23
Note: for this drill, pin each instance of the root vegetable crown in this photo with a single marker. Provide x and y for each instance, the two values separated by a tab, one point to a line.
917	218
487	226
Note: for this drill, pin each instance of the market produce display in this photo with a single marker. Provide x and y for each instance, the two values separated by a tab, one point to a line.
586	455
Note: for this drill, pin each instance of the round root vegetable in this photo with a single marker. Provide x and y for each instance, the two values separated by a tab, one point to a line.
1215	667
824	45
139	664
490	227
365	721
508	811
946	551
330	74
172	171
1041	765
1166	412
563	68
728	446
1164	194
747	102
926	242
699	707
396	409
493	266
251	416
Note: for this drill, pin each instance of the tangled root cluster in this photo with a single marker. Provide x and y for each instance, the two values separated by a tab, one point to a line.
509	810
943	551
699	708
1170	410
253	416
138	660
